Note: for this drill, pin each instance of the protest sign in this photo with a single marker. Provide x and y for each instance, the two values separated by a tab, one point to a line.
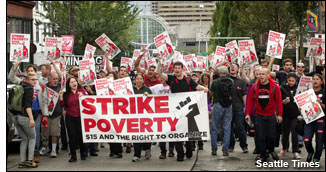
201	63
107	45
152	62
210	59
248	54
102	87
219	56
73	60
190	62
89	52
164	45
53	98
87	72
127	62
143	62
53	48
316	48
276	67
67	44
19	47
310	108
139	119
232	51
122	86
114	68
305	84
275	44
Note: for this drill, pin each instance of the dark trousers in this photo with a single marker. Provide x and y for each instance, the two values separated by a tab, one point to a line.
116	148
163	147
238	128
73	125
288	125
265	131
180	150
91	147
140	146
63	134
278	135
317	127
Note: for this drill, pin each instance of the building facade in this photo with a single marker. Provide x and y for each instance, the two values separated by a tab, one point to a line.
19	20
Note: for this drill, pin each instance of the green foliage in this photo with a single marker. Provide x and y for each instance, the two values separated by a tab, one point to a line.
92	18
254	18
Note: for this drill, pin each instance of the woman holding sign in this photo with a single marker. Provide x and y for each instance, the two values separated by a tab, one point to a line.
70	101
140	88
318	126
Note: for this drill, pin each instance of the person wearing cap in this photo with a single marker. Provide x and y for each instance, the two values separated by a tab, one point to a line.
195	77
73	71
220	113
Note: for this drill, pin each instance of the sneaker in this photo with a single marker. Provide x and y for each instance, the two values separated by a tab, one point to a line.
171	154
111	154
282	153
148	154
53	154
162	156
245	150
93	154
128	150
36	157
31	164
189	154
135	159
22	165
180	159
296	155
119	155
274	156
214	152
309	157
225	154
73	159
259	158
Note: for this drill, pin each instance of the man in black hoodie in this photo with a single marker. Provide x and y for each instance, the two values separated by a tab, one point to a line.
290	114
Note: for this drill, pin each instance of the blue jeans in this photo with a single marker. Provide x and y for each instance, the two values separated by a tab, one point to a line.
238	126
224	115
37	131
316	127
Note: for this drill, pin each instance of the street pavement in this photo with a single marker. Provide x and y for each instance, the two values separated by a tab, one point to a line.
105	163
239	161
201	161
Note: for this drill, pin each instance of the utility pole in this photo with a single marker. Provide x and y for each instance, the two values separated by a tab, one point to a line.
72	18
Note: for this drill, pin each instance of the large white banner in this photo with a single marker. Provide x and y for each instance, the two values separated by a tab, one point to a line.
310	108
305	84
138	118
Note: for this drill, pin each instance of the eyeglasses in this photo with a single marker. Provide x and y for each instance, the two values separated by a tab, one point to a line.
300	66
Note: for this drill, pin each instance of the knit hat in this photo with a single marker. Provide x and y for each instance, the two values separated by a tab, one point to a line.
223	70
72	69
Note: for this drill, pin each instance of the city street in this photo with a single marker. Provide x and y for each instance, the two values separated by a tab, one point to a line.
203	162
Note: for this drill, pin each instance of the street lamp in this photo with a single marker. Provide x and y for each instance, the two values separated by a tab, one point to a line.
201	6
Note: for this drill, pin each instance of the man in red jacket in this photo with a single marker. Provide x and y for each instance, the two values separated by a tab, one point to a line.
266	95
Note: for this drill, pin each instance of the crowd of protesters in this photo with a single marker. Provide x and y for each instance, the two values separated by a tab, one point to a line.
262	101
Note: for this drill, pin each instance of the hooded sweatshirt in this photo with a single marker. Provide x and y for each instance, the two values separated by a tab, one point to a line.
275	99
291	109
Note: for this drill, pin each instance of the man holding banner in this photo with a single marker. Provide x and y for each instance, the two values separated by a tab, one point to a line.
180	83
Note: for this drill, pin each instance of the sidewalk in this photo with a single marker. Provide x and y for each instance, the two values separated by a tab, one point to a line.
105	163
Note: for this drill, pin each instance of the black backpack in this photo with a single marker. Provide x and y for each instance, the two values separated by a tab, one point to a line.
225	86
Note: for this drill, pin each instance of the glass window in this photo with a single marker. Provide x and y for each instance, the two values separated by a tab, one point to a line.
37	34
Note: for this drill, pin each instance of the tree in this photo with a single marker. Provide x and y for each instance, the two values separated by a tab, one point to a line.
298	10
92	18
